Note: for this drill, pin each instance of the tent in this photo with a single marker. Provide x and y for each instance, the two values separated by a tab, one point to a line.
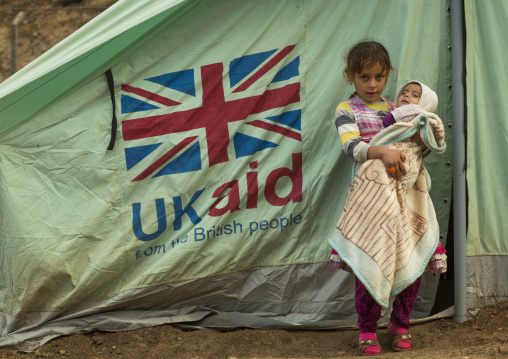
176	162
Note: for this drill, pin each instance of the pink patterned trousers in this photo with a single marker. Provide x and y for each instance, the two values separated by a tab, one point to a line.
369	311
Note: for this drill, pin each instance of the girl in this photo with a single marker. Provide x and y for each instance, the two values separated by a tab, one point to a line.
358	120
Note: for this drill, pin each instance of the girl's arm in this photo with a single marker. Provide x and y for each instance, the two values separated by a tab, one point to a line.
349	133
390	158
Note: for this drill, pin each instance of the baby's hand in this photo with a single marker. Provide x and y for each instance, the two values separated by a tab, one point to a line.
388	119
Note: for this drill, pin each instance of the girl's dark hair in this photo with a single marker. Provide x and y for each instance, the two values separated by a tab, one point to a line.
367	53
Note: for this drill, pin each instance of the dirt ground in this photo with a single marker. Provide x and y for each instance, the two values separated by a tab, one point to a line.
49	21
45	23
486	336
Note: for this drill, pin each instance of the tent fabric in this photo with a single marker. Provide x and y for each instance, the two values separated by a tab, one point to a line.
83	56
486	128
227	176
116	20
487	247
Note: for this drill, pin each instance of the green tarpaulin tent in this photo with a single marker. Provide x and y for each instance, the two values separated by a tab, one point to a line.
177	162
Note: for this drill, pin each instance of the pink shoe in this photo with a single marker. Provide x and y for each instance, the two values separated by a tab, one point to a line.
368	344
401	340
369	347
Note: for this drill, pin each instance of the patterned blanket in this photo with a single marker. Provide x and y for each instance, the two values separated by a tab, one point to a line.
388	229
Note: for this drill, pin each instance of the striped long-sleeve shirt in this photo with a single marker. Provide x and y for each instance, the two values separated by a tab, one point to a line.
352	142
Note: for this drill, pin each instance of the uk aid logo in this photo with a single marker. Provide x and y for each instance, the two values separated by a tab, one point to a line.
175	112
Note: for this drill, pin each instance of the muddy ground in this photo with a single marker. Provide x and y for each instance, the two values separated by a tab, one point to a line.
45	23
486	336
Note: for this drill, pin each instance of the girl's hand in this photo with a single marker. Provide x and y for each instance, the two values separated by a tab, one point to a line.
392	159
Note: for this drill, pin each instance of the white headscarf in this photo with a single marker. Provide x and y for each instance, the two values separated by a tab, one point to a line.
428	99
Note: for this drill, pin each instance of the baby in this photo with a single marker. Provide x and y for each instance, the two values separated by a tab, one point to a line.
412	100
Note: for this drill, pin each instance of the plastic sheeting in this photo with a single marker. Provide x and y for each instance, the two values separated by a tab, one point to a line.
486	282
198	212
487	126
204	303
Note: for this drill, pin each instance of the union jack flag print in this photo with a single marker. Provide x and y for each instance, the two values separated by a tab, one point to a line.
216	101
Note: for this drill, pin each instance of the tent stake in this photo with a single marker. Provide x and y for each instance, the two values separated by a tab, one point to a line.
14	40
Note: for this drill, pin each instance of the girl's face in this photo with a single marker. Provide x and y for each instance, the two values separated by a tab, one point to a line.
370	82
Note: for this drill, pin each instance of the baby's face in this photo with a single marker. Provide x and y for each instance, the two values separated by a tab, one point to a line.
411	93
